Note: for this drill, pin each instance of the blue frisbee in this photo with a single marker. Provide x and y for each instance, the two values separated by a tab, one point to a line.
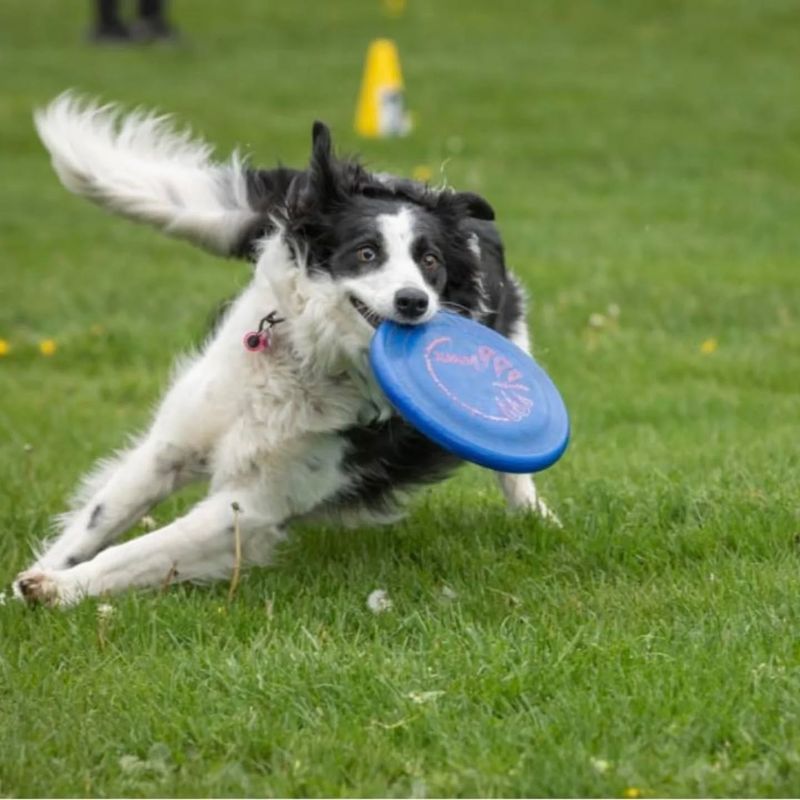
472	391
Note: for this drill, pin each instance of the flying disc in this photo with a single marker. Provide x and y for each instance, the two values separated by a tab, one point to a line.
472	391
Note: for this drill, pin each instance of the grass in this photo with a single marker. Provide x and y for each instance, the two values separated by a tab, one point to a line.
640	154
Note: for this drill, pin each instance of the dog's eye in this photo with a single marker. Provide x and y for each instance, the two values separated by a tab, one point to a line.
430	261
366	254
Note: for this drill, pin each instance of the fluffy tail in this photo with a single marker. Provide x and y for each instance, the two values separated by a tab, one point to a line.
139	166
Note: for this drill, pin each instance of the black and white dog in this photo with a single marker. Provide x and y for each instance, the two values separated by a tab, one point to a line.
295	429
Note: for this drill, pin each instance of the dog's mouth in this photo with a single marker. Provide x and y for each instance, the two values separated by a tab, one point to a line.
372	317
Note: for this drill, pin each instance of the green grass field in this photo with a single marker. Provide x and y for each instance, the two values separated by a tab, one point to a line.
641	154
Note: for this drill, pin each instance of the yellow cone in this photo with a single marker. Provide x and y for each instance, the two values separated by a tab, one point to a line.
381	102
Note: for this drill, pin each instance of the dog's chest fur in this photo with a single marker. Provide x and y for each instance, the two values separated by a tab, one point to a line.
281	418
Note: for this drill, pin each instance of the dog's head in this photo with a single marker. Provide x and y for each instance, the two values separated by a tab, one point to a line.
378	247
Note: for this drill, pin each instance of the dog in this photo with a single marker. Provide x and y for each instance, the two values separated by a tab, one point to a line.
279	410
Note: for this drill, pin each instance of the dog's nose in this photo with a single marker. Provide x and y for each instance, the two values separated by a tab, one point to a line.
411	303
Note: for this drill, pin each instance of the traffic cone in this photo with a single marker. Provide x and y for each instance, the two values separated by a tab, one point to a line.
381	108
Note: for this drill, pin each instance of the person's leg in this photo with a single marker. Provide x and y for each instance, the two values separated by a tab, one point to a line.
107	25
151	9
152	23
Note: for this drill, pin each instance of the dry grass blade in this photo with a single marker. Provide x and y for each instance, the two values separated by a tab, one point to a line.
169	577
237	550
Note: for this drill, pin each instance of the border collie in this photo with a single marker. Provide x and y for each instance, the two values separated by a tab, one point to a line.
289	424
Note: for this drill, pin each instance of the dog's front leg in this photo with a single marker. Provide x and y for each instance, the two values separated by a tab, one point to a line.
118	496
172	453
200	546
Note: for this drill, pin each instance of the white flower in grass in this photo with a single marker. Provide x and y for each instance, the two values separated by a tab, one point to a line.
128	763
379	601
448	593
2	598
600	765
148	523
104	610
597	320
424	697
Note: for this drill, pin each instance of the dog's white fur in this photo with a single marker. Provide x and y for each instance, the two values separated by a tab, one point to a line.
259	426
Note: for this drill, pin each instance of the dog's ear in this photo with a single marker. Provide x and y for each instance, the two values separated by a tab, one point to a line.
321	143
474	205
323	172
318	187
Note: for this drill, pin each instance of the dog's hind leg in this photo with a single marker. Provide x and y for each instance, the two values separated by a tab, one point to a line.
201	546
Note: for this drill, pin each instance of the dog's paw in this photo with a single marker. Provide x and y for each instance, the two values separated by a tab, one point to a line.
522	496
533	504
42	587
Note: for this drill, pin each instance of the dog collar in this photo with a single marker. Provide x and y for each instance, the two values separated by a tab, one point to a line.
261	339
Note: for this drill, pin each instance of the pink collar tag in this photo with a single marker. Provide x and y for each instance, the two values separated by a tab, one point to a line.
257	341
260	340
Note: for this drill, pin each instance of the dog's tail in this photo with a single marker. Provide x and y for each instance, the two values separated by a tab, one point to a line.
140	166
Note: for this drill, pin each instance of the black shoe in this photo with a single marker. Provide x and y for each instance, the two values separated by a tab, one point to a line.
153	29
110	34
